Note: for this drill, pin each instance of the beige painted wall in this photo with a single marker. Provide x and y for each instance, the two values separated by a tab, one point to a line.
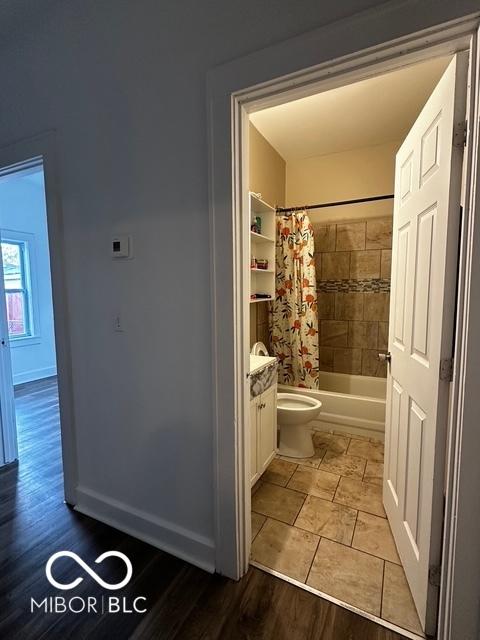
358	173
267	169
268	177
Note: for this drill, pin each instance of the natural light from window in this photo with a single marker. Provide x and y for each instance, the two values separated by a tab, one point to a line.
16	288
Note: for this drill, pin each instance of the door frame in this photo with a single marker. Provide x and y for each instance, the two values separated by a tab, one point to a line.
350	51
15	157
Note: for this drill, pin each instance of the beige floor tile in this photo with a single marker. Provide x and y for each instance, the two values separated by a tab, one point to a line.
327	519
360	495
257	523
279	472
351	435
373	535
278	502
331	441
374	473
348	574
314	461
286	549
315	482
397	604
372	451
256	486
343	464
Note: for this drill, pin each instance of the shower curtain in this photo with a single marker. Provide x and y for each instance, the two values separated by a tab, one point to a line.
294	318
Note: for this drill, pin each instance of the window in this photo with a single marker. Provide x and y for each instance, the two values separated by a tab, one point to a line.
17	288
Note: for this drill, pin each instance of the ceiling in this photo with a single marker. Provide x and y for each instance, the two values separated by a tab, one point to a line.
14	14
363	114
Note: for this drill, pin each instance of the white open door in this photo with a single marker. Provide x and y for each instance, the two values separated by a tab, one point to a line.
8	427
422	309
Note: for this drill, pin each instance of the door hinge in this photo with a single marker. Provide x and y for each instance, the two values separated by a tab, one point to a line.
446	369
460	134
434	575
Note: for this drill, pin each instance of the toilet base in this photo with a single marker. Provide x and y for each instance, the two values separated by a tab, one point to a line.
296	441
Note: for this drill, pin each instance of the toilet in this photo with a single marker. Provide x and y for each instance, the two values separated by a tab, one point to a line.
295	412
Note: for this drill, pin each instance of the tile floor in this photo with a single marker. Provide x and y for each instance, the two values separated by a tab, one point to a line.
321	521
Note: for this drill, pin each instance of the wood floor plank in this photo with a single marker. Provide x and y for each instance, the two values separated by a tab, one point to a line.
183	602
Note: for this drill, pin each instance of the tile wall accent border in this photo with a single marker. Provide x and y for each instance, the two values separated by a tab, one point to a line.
374	284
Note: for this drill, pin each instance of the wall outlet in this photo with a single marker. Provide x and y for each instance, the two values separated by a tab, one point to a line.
117	323
121	246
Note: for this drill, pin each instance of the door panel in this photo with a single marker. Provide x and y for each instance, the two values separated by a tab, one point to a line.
416	424
253	438
423	273
392	452
8	427
401	287
424	255
430	148
267	428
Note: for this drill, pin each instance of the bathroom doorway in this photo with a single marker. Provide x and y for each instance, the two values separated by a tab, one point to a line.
279	74
337	520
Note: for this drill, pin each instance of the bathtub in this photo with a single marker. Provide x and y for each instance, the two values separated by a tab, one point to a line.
350	404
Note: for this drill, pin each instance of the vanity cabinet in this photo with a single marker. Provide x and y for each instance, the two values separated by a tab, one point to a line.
263	431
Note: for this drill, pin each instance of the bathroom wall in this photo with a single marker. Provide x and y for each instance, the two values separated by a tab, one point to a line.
267	169
352	252
358	173
268	177
353	263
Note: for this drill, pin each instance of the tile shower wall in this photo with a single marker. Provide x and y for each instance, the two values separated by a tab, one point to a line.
353	262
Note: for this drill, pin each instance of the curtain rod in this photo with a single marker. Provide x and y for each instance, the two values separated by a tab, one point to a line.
333	204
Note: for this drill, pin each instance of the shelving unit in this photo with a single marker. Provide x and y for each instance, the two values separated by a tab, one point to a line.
262	246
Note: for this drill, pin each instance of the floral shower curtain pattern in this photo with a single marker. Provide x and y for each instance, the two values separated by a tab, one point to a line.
294	318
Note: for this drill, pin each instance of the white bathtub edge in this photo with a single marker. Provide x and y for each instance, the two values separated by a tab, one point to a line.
351	430
350	421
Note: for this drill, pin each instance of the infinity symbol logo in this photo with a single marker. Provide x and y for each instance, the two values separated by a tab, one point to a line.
86	568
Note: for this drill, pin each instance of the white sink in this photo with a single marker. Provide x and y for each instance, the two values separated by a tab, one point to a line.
259	362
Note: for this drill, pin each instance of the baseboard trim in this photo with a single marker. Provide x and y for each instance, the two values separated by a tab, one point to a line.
34	374
167	536
351	421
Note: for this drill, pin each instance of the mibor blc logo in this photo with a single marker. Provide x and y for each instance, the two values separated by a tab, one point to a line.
88	604
86	568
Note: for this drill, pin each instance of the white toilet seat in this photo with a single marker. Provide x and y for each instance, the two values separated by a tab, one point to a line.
294	408
296	402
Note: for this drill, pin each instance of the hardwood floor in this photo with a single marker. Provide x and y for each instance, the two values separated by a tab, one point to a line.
183	602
